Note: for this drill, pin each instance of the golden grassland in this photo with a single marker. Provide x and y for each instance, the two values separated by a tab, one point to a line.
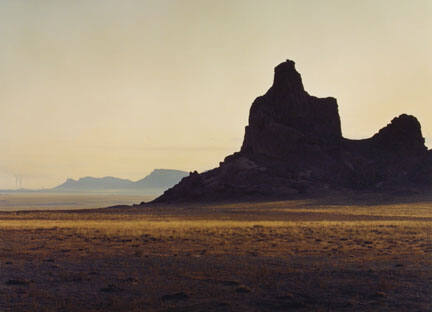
300	255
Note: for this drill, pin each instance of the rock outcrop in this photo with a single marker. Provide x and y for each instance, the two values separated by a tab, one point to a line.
287	119
293	146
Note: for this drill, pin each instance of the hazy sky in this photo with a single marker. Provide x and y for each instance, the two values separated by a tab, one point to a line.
121	87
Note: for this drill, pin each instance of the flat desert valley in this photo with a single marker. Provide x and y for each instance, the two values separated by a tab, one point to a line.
66	201
298	255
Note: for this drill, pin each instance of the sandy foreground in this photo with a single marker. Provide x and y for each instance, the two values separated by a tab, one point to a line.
302	255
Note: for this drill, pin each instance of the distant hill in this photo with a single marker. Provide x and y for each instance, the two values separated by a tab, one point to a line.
154	184
94	184
161	178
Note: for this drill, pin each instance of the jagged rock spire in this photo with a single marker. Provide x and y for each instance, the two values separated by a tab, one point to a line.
287	79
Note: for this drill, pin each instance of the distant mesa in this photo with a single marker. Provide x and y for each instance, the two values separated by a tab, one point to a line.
93	184
154	184
161	178
293	146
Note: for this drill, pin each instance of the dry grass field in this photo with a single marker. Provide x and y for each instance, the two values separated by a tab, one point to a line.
301	255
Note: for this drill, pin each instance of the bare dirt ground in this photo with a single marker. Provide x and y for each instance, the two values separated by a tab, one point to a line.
274	256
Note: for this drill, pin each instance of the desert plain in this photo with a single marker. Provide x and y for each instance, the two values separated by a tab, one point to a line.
328	254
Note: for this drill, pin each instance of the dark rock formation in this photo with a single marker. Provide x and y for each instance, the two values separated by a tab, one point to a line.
293	146
287	119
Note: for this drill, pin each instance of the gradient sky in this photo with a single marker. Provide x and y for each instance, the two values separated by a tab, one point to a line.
121	87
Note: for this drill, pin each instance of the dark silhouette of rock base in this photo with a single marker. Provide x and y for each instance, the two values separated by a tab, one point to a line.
293	146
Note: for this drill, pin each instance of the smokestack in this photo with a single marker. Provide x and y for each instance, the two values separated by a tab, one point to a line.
18	181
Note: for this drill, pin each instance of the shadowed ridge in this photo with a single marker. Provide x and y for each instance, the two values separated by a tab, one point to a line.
293	147
403	134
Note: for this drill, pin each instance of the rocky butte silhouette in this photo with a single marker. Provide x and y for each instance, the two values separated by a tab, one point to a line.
293	147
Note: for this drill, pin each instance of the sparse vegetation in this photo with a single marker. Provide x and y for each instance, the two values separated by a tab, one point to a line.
276	256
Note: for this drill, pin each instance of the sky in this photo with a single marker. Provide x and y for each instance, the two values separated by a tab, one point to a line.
118	88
